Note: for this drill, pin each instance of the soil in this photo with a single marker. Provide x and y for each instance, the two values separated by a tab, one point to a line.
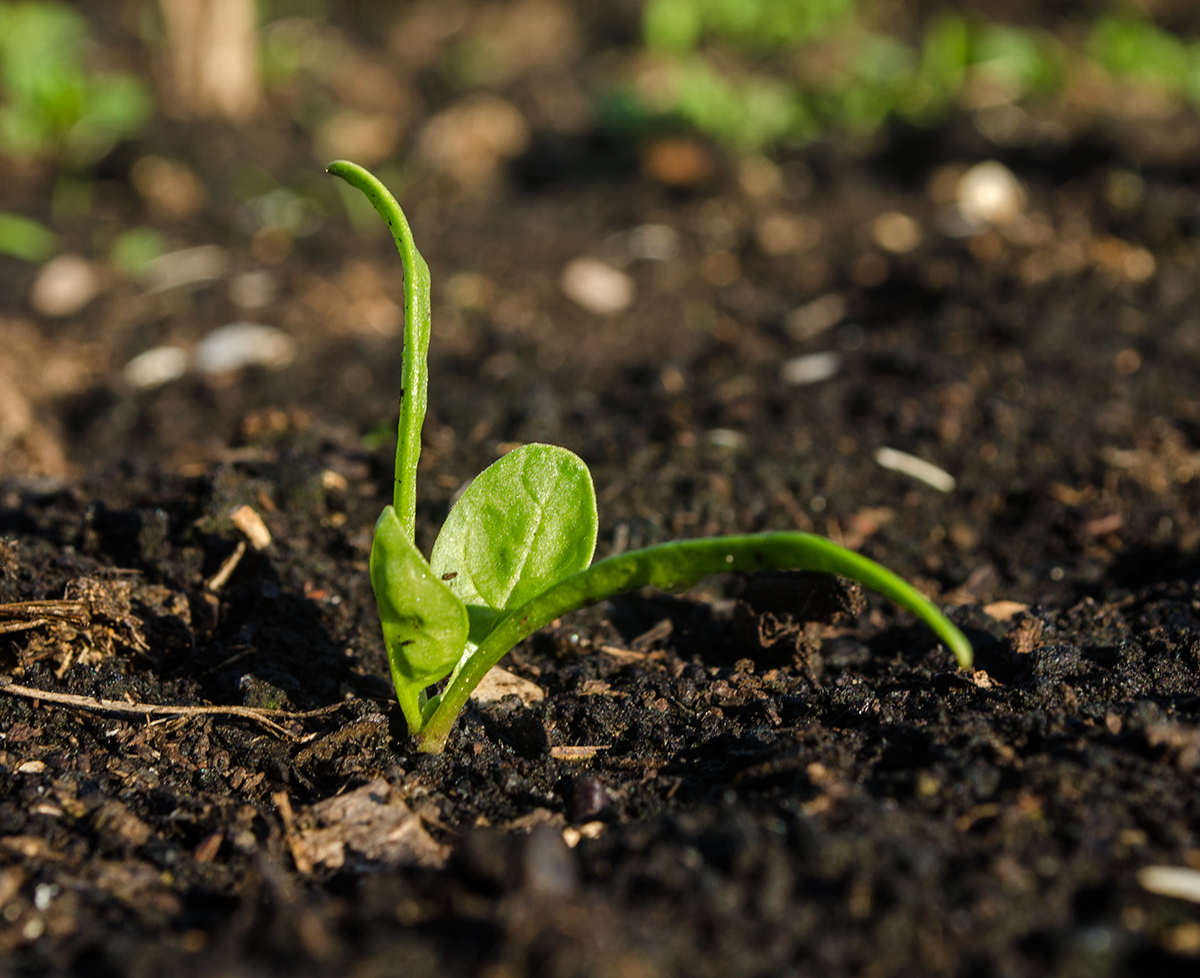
773	776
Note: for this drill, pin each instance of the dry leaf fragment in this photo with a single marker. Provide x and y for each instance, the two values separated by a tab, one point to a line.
499	683
372	823
1004	610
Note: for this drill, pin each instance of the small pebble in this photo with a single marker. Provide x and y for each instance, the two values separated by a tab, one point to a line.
654	242
896	232
597	287
241	345
253	290
191	266
726	438
678	162
155	367
471	139
779	233
550	868
815	317
917	468
64	286
811	369
31	767
589	800
171	189
988	193
43	896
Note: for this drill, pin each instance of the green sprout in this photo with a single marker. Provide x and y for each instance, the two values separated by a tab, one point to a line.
515	552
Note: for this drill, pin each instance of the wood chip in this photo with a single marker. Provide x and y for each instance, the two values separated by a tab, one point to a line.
983	680
583	752
208	848
246	519
627	654
573	836
499	683
1172	881
1004	610
228	566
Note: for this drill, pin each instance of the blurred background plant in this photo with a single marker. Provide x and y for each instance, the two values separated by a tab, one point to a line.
57	101
751	74
755	74
462	89
58	105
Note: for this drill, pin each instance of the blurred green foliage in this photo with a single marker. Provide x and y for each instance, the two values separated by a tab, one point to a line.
1135	48
52	104
677	25
134	249
756	73
21	237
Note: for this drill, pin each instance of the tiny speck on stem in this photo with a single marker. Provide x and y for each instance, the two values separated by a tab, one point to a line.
450	576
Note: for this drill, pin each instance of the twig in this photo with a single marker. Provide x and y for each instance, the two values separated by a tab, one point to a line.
228	566
618	653
24	615
258	715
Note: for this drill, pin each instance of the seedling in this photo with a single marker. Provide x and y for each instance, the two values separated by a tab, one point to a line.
515	552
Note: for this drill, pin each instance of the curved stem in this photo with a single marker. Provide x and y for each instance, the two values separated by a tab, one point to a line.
414	373
675	566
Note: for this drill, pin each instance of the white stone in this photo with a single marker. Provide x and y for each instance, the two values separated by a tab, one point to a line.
811	368
916	468
241	345
64	285
157	366
597	287
191	266
988	193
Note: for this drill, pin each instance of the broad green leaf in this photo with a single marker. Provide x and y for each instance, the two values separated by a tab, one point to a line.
671	566
527	522
424	623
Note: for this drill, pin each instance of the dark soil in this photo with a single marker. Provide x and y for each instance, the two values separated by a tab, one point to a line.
786	780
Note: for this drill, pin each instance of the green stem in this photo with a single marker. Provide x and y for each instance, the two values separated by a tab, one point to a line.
672	567
414	373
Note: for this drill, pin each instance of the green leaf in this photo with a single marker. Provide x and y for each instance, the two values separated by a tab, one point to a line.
424	623
25	238
675	566
527	522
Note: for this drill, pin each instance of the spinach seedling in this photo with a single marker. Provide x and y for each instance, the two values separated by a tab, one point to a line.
516	550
